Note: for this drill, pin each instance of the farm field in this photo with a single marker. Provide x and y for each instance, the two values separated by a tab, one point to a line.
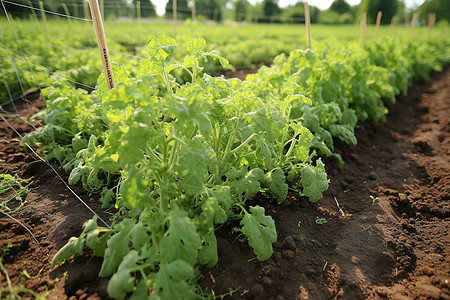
71	51
393	248
295	183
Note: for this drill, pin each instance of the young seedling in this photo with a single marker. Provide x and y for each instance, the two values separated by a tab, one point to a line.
374	199
321	221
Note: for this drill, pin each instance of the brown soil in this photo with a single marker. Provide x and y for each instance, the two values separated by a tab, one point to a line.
389	241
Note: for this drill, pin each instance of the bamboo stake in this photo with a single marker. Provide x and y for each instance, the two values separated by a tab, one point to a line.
85	9
102	9
44	19
194	16
394	21
174	12
138	11
308	25
377	27
413	20
101	41
431	21
32	12
363	27
66	9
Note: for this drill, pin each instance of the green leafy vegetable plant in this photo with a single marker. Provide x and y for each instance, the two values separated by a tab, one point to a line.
181	159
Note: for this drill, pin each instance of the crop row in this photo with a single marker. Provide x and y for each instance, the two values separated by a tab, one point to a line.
70	53
176	160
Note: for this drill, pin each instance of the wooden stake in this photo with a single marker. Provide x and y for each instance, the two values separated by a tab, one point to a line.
102	9
101	41
393	21
44	19
377	27
431	21
194	16
413	20
308	25
363	27
174	12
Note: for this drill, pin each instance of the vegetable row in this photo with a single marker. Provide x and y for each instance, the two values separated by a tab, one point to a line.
177	160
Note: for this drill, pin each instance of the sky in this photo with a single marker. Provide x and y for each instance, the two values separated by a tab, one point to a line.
321	4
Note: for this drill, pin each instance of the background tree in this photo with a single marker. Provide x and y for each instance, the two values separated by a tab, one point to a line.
270	10
240	10
210	9
340	12
254	11
440	7
372	7
340	6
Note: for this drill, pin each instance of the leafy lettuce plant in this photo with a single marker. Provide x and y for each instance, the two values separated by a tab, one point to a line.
188	158
180	159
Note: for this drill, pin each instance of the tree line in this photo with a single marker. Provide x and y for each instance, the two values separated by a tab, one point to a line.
266	11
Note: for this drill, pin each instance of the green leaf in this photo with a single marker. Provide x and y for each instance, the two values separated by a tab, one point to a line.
267	154
260	230
314	181
275	181
170	281
122	282
78	172
78	143
349	117
343	132
247	185
181	240
189	62
117	247
161	46
192	167
208	252
74	247
97	240
298	98
149	67
196	46
304	143
96	237
139	236
215	54
107	196
218	202
310	119
134	190
187	111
